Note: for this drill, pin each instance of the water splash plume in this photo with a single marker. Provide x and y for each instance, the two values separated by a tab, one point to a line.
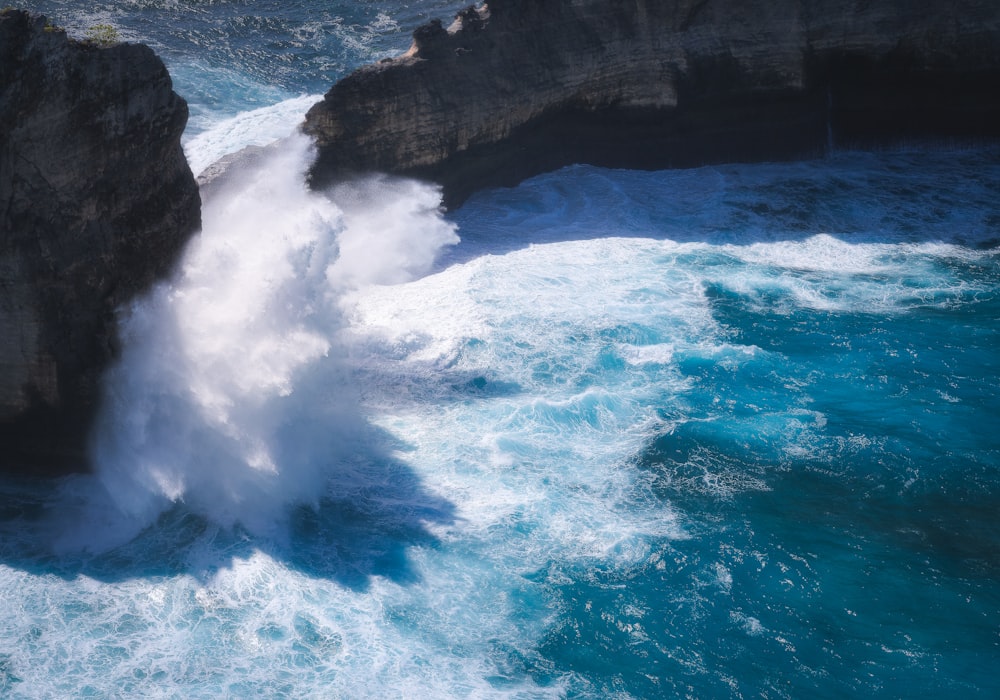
231	394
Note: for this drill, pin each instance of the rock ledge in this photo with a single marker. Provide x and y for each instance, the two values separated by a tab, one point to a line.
517	87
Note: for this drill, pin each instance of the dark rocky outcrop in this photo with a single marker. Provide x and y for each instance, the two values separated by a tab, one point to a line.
96	203
517	87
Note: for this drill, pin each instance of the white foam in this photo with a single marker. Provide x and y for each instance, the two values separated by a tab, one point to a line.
543	309
818	253
517	386
260	628
822	272
257	127
658	354
534	467
378	244
220	399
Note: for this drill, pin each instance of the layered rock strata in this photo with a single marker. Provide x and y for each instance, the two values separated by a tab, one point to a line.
96	203
517	87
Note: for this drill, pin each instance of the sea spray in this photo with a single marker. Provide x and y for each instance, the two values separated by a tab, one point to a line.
231	394
257	127
813	515
694	452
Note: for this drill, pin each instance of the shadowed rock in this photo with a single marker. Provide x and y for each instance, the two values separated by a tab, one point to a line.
517	87
96	203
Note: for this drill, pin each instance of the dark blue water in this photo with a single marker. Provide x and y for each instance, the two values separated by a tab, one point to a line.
722	432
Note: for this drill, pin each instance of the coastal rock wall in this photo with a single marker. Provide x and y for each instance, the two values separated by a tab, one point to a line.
517	87
96	203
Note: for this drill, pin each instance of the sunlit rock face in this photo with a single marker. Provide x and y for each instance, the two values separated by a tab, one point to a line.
96	203
517	87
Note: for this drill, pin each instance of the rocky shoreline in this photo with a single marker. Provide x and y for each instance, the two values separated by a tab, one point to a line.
96	203
516	87
97	199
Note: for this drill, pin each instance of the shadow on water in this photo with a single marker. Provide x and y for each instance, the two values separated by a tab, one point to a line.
913	195
232	422
373	510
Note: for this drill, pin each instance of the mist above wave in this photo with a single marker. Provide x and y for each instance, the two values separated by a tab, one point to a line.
232	394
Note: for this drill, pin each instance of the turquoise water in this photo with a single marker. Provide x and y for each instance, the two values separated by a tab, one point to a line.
721	432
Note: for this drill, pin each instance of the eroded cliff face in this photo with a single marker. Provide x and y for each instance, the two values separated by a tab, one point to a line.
96	202
517	87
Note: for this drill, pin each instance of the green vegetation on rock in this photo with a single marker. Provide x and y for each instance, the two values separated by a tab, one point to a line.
103	35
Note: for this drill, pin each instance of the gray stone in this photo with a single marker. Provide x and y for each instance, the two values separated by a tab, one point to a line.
517	87
96	203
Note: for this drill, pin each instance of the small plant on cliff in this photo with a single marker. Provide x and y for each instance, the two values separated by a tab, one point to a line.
103	35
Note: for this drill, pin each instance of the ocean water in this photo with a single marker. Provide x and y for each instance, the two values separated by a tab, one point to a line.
721	432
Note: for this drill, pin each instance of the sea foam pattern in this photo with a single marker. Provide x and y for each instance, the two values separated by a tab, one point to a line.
575	456
720	432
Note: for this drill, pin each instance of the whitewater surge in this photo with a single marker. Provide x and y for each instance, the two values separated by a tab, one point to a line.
717	432
231	395
573	457
257	127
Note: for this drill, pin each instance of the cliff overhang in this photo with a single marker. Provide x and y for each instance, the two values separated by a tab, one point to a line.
517	87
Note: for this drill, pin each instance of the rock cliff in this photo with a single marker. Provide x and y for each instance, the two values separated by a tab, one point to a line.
517	87
96	202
